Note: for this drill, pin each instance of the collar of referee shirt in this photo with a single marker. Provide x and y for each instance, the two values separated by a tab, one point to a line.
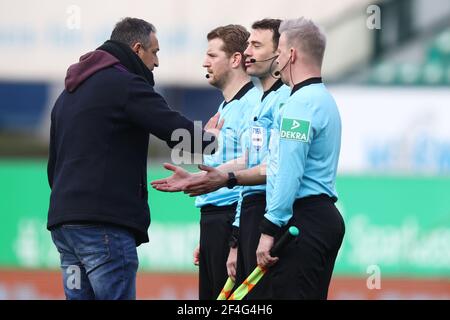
240	93
305	83
277	85
128	59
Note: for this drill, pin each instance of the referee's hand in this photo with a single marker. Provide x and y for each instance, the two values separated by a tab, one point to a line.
263	257
212	180
196	255
214	125
231	263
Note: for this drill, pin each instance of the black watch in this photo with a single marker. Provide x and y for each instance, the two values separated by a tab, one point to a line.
232	181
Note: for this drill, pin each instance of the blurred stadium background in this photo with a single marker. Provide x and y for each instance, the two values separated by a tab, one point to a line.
391	84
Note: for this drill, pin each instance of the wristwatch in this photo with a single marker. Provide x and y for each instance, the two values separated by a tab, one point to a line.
232	181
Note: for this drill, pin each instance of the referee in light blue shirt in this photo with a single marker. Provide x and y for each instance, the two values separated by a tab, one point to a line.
225	65
252	201
260	57
302	171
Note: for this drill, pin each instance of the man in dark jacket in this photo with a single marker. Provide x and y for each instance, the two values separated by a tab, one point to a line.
100	127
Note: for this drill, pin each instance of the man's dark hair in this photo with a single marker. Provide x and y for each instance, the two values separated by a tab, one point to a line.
234	38
269	24
132	30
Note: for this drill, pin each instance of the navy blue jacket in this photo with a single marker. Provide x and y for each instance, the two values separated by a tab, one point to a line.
98	149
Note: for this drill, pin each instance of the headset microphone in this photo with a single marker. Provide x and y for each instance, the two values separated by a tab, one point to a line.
254	60
207	76
278	72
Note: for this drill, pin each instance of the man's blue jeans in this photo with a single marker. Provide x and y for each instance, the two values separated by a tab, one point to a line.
97	261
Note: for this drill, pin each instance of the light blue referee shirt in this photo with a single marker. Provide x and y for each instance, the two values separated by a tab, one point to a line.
256	140
235	113
303	157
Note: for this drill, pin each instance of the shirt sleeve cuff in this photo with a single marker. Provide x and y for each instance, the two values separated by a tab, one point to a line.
234	238
268	227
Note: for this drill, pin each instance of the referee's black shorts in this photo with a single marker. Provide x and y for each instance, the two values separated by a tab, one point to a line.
252	212
305	266
215	231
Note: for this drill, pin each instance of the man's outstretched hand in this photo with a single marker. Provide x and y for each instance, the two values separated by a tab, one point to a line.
176	182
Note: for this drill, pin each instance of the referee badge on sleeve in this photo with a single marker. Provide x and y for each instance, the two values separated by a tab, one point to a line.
295	129
257	137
